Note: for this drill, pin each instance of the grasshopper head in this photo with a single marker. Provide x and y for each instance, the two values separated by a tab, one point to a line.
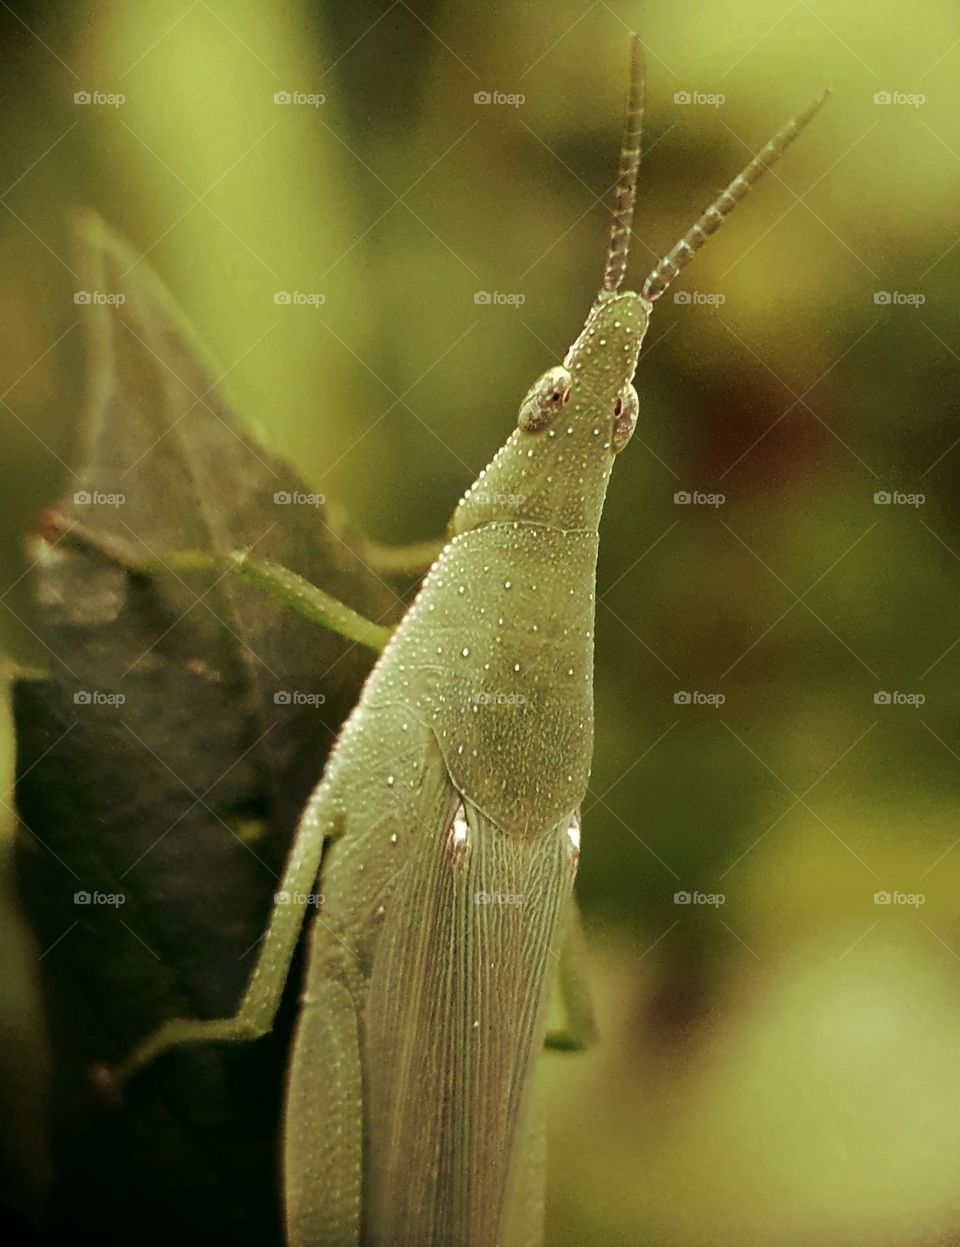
574	419
579	414
595	379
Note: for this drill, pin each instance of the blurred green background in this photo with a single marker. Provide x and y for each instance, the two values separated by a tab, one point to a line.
780	1068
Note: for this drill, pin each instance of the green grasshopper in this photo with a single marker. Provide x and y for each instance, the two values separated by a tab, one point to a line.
445	831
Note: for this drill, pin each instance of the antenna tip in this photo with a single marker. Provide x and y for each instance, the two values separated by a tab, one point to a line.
819	101
806	115
636	55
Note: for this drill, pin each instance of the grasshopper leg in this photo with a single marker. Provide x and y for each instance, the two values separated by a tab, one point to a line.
578	1028
572	1008
323	1124
407	560
315	604
524	1223
272	579
413	558
261	1000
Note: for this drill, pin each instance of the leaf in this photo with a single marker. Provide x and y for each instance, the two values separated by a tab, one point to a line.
162	762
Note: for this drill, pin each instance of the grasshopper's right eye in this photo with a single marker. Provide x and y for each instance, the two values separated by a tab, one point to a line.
544	399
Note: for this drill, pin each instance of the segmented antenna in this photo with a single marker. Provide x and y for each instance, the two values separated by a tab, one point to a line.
626	192
711	220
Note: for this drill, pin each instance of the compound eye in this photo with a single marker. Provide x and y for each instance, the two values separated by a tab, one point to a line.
544	399
624	418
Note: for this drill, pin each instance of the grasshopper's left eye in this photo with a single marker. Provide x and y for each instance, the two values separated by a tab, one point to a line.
624	418
544	399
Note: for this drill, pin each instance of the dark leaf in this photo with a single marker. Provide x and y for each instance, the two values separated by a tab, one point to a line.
162	763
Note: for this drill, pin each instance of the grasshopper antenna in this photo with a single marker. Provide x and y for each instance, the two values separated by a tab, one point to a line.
710	221
626	193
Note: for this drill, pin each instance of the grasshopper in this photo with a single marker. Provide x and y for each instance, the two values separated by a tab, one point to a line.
445	831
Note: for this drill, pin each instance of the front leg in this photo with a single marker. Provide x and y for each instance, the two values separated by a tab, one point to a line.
272	579
262	998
